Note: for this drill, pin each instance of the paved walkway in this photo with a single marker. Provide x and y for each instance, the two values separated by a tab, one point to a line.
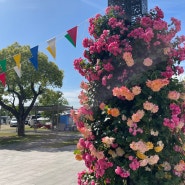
39	166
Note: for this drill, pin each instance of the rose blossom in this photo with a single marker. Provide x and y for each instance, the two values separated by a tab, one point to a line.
136	90
153	159
127	56
155	109
143	162
173	95
147	62
102	106
119	151
123	117
113	112
166	166
122	172
148	105
157	84
138	116
112	153
154	133
108	140
129	122
84	85
166	51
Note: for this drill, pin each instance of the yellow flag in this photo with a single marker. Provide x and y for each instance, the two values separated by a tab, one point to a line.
17	59
52	51
52	47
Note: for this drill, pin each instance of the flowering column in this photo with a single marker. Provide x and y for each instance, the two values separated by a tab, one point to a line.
132	113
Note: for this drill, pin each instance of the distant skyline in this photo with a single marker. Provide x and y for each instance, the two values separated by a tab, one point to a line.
33	22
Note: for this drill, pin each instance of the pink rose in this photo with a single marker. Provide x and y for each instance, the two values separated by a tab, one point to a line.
173	95
102	106
136	90
147	62
108	140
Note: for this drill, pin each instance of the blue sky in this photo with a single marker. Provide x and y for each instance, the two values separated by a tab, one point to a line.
33	22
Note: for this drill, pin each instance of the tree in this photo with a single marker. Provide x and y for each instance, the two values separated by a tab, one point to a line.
51	97
20	94
132	117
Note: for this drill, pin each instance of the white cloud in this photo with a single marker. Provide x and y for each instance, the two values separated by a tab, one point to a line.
72	97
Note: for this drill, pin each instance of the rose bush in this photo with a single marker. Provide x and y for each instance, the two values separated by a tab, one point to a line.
132	114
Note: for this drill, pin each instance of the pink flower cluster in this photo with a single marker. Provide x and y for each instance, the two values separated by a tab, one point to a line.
122	172
150	107
179	168
134	130
123	92
100	167
134	165
173	95
136	117
139	146
175	120
150	160
168	73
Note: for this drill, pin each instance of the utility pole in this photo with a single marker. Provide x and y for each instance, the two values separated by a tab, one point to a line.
133	8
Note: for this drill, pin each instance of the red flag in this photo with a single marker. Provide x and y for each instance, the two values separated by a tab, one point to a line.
71	36
3	78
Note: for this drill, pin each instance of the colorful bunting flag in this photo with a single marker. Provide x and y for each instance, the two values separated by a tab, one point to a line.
71	36
18	71
17	59
34	58
3	65
52	47
3	78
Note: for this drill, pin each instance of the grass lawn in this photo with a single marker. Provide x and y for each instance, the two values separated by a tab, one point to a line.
53	139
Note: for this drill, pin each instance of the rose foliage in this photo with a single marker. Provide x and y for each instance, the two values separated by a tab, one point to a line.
132	114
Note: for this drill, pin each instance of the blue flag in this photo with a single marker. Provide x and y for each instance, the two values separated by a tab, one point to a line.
34	58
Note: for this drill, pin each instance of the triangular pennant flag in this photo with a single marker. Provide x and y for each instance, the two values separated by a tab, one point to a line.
3	65
72	35
18	71
3	78
17	59
34	61
52	47
34	58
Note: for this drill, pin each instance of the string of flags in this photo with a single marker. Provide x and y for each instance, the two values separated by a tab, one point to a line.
71	36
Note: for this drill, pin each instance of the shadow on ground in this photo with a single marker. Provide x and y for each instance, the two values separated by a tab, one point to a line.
46	141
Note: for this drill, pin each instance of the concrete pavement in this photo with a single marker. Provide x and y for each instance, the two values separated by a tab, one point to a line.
39	166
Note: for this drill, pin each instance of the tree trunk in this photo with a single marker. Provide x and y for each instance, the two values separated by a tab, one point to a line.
21	130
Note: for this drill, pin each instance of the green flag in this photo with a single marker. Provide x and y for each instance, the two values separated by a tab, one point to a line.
3	65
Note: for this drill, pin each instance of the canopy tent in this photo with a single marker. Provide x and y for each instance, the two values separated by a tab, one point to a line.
53	109
60	108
